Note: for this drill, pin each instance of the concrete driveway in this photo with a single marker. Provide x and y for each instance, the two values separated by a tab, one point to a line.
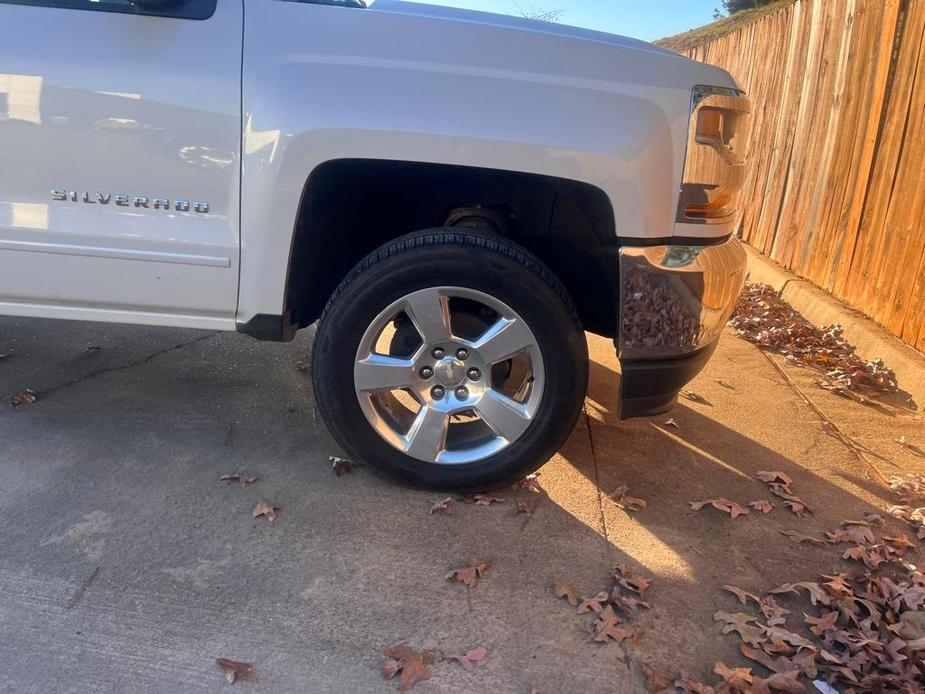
126	565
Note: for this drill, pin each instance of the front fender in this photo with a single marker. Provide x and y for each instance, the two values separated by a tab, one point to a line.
324	83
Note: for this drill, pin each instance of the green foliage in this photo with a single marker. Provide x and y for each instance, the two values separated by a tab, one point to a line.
733	6
710	32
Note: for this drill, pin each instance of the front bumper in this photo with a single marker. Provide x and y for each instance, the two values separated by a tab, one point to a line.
674	302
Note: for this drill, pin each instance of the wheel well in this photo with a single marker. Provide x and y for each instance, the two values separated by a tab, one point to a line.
350	207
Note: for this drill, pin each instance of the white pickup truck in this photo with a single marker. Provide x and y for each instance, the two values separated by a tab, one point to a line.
457	196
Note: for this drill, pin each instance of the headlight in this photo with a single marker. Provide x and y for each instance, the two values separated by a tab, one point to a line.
714	167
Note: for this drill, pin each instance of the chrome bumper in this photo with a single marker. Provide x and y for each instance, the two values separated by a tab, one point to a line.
674	302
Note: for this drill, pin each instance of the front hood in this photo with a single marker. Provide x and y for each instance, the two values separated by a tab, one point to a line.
417	9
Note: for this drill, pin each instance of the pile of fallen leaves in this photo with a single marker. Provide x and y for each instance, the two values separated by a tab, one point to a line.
763	317
624	597
866	627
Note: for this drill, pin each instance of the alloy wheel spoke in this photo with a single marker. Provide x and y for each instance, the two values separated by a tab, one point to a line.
429	310
505	338
506	417
380	372
427	435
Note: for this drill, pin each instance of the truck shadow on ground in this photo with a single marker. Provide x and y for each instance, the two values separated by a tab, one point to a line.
120	471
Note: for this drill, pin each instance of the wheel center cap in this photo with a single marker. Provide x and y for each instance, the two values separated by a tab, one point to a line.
450	372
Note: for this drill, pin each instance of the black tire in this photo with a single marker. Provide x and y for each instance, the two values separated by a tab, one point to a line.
475	260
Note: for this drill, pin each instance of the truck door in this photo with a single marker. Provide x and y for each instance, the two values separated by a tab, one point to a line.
120	131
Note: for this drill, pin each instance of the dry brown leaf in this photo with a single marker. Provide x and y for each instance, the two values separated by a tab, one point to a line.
730	507
658	680
442	506
781	634
774	613
633	582
411	664
302	365
779	664
234	669
774	477
901	544
672	423
240	478
469	659
761	505
800	537
688	685
788	682
798	508
530	483
564	589
607	626
595	604
737	679
820	625
27	397
628	603
470	575
777	648
743	595
740	623
854	534
482	500
341	466
817	593
265	509
627	503
526	506
725	385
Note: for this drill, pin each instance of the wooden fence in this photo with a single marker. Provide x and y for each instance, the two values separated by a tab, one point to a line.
837	187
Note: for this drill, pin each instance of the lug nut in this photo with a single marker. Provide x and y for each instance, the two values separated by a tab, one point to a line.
438	353
462	352
437	392
426	372
474	374
462	392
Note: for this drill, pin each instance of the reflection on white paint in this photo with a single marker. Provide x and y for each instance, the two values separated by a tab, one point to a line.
20	97
124	95
256	140
29	215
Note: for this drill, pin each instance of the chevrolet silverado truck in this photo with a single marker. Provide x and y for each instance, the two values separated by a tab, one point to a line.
454	197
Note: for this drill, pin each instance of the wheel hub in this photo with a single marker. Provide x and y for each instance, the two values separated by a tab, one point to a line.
450	372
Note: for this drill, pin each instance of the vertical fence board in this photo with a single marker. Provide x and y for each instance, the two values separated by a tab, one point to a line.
836	192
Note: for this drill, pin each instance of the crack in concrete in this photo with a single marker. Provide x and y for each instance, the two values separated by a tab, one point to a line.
597	485
827	423
122	367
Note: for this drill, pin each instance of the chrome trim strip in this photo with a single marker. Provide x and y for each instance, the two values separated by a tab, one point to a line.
113	315
675	300
117	253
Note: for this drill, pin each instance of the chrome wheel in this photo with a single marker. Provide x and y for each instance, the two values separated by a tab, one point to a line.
449	375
